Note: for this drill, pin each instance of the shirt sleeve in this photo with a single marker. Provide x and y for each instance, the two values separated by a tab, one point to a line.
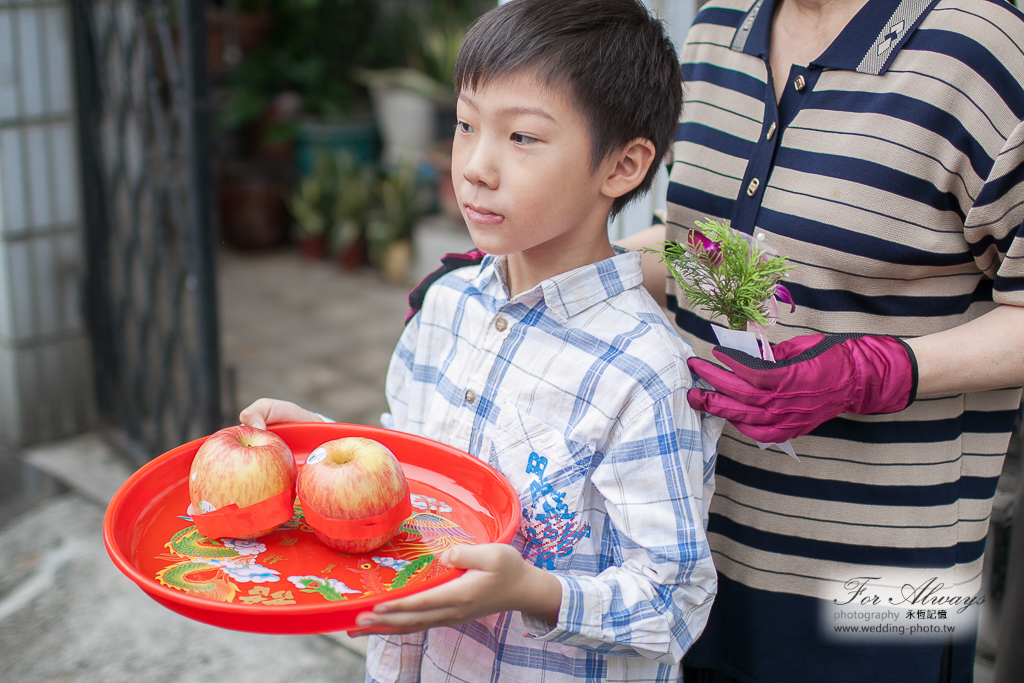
654	599
394	659
993	226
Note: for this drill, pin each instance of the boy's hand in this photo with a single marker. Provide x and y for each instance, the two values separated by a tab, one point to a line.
498	580
266	411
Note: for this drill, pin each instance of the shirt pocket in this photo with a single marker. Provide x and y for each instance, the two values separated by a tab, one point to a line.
550	474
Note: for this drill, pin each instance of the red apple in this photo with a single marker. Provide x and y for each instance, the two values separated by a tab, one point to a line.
241	465
353	479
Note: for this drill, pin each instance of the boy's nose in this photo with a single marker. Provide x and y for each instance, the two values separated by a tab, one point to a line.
480	168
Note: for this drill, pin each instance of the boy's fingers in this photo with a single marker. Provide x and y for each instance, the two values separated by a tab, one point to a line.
357	632
407	621
466	557
434	599
257	414
487	557
252	418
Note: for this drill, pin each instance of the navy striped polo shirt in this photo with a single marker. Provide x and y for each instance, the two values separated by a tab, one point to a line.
891	174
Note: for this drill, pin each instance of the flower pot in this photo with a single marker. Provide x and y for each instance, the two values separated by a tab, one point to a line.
353	256
252	209
358	138
397	261
313	247
407	122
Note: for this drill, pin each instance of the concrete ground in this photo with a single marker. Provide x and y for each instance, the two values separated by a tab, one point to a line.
292	329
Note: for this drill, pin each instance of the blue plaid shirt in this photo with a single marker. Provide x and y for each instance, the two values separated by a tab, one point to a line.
575	391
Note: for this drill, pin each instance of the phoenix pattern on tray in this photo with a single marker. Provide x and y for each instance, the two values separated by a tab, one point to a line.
240	571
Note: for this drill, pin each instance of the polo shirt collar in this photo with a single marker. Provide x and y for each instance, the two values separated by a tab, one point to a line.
868	44
570	293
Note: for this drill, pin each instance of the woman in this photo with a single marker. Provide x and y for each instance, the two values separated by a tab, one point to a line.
878	144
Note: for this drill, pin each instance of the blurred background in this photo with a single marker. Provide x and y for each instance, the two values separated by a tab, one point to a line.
202	203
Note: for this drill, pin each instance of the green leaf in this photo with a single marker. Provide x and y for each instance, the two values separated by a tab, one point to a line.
738	287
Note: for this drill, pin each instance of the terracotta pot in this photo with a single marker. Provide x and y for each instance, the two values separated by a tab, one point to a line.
397	262
353	256
313	247
252	210
254	30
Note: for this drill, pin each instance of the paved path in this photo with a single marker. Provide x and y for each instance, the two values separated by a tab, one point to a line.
69	616
308	333
292	329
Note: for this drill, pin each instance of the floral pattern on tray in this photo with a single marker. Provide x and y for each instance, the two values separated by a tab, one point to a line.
276	569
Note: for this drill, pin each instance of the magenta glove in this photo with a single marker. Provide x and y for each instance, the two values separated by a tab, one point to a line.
815	378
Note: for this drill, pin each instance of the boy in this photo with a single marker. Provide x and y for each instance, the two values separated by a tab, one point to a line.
549	360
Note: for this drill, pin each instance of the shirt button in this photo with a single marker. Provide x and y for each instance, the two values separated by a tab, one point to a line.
799	83
771	131
752	187
470	395
500	324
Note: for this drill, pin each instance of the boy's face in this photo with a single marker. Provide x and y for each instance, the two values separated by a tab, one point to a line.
522	172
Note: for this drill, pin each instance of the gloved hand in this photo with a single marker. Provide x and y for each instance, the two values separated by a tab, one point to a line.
815	378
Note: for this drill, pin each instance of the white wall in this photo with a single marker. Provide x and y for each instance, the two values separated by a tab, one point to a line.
45	364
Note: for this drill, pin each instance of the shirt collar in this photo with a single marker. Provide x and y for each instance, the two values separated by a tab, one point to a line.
570	293
868	44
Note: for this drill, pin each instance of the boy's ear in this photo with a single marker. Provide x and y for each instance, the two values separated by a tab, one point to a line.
627	168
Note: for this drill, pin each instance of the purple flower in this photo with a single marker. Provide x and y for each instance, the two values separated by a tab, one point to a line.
701	245
783	295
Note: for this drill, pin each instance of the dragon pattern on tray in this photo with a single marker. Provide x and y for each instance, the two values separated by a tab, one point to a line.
213	569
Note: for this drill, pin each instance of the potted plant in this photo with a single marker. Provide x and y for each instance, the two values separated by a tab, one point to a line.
355	191
403	200
307	206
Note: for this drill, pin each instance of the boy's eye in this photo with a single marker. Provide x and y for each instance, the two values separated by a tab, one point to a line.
463	127
521	139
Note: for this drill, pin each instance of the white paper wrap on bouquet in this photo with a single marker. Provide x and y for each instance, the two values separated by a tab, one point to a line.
746	342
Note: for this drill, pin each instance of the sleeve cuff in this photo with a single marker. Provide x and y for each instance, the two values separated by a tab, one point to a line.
579	607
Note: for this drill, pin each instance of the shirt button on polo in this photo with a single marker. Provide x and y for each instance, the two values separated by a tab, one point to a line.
771	131
500	324
799	83
752	187
470	395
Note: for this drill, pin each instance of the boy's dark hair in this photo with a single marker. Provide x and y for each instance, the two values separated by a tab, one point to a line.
614	58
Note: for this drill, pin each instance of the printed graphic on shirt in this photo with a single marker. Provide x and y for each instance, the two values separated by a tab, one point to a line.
551	529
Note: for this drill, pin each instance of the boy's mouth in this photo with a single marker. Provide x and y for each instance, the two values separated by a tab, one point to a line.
481	215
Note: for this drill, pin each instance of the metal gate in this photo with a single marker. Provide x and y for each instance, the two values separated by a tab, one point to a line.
145	150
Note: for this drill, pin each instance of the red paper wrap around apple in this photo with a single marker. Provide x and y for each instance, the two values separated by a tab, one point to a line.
353	494
362	529
232	521
245	478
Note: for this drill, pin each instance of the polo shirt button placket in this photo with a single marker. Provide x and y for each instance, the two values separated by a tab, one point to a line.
799	83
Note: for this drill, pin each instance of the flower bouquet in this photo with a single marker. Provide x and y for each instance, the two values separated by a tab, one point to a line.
728	274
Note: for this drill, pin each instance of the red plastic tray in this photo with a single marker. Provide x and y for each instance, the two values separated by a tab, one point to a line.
288	582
